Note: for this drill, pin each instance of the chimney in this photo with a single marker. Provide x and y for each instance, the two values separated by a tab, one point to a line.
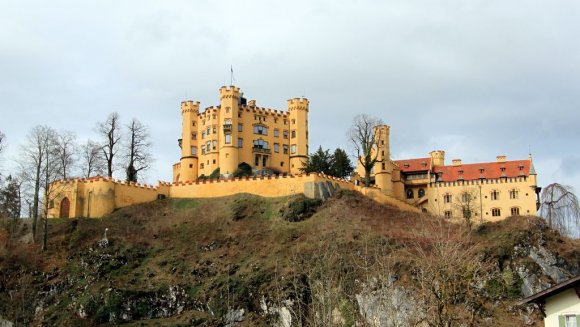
456	162
501	158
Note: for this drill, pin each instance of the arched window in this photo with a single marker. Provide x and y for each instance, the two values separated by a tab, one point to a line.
260	144
421	192
410	194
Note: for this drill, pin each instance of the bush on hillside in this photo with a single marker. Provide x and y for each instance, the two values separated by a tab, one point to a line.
300	208
215	174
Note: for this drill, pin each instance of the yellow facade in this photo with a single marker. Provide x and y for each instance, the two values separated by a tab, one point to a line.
238	131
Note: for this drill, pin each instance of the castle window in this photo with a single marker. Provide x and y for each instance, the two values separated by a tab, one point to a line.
228	121
239	115
495	195
207	131
240	143
260	129
212	116
465	197
285	122
214	129
448	214
410	194
276	132
257	160
521	167
227	110
515	211
285	134
260	144
240	127
447	198
208	146
495	212
285	148
194	136
513	194
293	134
281	163
201	165
383	166
293	149
502	169
382	153
276	147
421	192
203	150
228	139
203	135
293	121
193	124
194	151
264	160
275	120
214	143
213	161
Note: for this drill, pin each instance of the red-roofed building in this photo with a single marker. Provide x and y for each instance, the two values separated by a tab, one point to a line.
485	191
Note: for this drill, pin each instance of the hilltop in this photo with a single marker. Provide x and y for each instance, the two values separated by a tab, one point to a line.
250	261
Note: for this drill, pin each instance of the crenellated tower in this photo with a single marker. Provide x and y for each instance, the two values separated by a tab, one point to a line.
228	133
383	168
189	151
437	158
298	130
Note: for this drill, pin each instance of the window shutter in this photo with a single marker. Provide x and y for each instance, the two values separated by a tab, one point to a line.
561	321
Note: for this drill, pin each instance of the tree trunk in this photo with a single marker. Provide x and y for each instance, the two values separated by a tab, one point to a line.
35	201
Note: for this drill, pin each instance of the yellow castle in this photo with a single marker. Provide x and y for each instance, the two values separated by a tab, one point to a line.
237	131
274	143
486	191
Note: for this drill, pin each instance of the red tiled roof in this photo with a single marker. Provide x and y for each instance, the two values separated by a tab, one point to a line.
409	165
514	168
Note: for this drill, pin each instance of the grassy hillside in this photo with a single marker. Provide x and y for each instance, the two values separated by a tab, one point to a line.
201	262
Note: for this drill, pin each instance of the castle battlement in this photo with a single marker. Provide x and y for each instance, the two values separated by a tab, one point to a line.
298	104
229	92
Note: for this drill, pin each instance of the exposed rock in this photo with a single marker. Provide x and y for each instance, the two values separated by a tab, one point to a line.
386	305
233	317
5	323
548	262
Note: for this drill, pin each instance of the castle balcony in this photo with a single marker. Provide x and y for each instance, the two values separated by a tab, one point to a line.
227	128
258	149
179	142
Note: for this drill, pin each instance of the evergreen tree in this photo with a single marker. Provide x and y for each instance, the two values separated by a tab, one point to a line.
341	165
10	198
318	162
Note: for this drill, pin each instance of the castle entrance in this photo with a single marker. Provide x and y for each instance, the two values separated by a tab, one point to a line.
64	208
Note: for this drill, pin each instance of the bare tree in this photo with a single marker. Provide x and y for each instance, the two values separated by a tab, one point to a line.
449	273
52	171
138	145
468	204
66	152
110	131
2	142
365	141
31	162
92	161
559	206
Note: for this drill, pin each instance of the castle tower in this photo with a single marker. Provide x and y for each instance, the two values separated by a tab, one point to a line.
383	169
298	130
189	150
228	133
437	158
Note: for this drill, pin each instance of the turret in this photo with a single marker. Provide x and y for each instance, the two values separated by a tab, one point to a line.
188	143
230	99
298	129
383	169
437	158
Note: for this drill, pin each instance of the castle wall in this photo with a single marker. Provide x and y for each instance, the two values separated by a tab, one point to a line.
484	204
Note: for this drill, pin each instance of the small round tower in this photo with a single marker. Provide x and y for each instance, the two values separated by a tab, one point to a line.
189	150
227	129
298	127
437	158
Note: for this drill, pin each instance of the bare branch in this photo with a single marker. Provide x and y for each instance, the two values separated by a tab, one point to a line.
365	142
559	206
110	131
137	150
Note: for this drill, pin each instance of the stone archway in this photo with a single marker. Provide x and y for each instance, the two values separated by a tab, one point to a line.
64	208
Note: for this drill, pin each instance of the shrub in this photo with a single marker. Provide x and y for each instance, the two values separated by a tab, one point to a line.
243	170
300	208
215	174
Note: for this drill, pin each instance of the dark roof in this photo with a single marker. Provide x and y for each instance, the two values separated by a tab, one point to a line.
540	296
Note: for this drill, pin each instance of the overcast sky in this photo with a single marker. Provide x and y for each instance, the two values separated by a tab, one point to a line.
474	78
